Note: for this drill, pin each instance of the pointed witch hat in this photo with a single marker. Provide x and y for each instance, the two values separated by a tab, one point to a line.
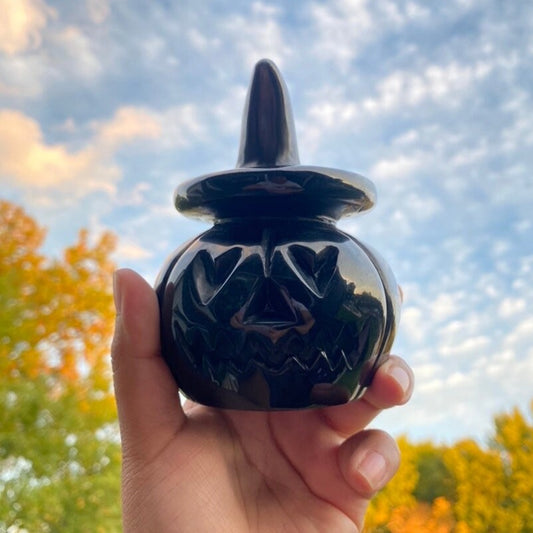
269	179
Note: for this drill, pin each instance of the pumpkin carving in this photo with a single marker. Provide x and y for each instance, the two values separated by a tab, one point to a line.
274	307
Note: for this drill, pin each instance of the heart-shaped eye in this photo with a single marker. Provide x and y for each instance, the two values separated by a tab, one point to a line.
315	269
211	273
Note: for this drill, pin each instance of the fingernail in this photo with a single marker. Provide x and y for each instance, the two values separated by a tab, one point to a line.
401	376
117	296
373	468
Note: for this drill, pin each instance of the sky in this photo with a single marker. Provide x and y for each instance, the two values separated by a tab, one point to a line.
107	105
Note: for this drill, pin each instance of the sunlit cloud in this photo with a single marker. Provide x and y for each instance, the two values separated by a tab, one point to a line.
21	23
127	251
27	160
128	124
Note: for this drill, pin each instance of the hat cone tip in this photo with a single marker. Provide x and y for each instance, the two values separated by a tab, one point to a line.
268	137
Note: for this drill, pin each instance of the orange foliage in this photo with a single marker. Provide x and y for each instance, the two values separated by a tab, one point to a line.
56	316
425	518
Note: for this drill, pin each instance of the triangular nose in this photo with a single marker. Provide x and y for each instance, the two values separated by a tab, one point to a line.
268	137
270	305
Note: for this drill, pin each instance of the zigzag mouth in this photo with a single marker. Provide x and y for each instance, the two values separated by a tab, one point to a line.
320	362
278	361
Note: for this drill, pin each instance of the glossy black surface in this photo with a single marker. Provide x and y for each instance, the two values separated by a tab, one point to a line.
274	307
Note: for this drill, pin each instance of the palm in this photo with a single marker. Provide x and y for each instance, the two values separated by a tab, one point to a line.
246	471
202	469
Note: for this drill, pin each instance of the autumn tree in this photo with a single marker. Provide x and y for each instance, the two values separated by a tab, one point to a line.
494	484
59	456
419	497
513	440
465	487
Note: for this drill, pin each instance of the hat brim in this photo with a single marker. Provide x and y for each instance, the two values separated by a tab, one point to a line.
299	190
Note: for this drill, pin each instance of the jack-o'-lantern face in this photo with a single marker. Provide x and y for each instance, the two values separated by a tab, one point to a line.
273	316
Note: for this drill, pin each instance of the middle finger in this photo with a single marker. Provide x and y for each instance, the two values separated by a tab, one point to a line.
392	385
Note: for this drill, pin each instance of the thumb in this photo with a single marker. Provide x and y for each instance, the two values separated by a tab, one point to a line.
148	404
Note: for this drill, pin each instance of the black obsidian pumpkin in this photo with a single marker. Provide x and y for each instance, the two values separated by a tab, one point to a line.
274	307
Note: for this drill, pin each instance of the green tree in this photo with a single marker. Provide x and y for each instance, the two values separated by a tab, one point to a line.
434	478
59	455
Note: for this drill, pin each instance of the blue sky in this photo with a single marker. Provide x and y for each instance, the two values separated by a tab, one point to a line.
107	105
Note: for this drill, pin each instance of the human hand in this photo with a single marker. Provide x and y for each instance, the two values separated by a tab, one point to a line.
199	469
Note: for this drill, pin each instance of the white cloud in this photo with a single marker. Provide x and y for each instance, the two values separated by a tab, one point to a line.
413	324
182	125
256	35
469	347
422	207
70	55
76	53
520	338
135	196
437	86
442	84
469	155
416	11
21	24
407	138
428	371
457	379
22	76
154	49
397	167
446	305
98	10
342	27
228	112
202	41
519	133
526	266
